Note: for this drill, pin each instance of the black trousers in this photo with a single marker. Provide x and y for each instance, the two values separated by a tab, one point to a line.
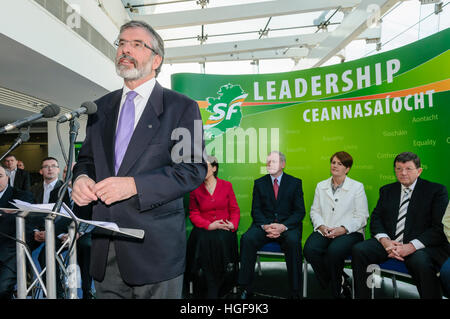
327	257
422	265
8	275
291	245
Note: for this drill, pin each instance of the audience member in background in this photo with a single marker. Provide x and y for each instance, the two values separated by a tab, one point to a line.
47	193
18	178
406	224
277	211
445	269
339	214
8	273
20	164
212	249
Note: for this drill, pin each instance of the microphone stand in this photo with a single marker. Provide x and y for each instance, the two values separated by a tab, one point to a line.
22	137
49	221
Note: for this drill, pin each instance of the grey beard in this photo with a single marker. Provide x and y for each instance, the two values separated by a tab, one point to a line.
136	73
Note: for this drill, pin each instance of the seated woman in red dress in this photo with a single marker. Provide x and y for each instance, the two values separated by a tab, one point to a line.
212	249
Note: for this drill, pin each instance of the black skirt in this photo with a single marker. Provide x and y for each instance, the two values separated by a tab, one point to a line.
212	262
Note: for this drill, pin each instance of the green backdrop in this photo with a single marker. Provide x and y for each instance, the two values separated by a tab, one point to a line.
373	108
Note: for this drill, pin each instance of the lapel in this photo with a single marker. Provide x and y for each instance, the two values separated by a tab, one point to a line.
7	196
397	188
412	204
283	186
18	178
109	128
145	130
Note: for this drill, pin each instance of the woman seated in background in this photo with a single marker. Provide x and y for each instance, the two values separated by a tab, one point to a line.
339	214
212	249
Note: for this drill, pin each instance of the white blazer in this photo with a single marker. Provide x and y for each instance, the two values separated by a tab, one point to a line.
347	207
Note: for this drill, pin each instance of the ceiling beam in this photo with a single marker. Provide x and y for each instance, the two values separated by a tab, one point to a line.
292	53
241	12
351	27
184	53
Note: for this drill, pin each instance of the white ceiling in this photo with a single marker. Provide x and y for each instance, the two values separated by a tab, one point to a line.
256	30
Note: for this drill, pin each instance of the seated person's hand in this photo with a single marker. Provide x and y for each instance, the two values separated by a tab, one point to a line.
218	224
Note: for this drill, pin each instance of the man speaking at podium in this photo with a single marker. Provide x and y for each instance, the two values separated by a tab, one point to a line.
129	169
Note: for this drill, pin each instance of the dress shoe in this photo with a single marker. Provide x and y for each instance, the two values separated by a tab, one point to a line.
245	294
88	295
346	290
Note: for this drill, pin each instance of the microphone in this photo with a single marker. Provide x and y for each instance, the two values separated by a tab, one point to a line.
86	107
47	112
23	137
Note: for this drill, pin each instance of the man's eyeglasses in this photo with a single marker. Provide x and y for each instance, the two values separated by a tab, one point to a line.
407	169
50	166
135	44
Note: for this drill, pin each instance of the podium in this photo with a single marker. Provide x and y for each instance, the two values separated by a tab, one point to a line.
23	253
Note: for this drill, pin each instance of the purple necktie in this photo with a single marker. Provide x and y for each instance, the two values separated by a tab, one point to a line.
125	129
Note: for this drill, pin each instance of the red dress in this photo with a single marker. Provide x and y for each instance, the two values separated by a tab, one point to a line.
205	208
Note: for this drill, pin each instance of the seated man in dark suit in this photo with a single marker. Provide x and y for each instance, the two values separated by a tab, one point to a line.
18	178
45	193
8	270
406	224
277	211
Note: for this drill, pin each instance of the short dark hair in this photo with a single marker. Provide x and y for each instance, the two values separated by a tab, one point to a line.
49	158
406	157
212	160
157	41
345	158
11	155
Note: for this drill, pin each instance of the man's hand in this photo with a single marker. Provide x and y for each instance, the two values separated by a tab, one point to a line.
114	189
390	245
401	251
83	191
274	230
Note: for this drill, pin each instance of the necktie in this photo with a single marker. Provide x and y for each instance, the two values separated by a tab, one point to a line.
275	187
402	215
125	129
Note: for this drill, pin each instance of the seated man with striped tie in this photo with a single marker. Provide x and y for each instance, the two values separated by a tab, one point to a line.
406	224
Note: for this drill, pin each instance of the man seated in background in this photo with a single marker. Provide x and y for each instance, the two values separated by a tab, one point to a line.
406	224
47	193
18	178
278	210
8	265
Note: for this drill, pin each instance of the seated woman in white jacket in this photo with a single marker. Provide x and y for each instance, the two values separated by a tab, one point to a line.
339	215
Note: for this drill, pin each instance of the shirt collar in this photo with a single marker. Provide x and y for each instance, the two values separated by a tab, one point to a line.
411	187
144	90
278	178
50	185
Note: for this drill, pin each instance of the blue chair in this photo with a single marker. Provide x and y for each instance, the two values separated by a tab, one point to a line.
395	268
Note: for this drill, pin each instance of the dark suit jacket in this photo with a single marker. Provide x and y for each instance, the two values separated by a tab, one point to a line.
8	222
161	179
38	221
288	209
22	180
424	217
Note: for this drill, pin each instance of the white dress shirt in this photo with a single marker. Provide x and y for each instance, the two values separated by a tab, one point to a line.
12	177
346	207
47	190
140	101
